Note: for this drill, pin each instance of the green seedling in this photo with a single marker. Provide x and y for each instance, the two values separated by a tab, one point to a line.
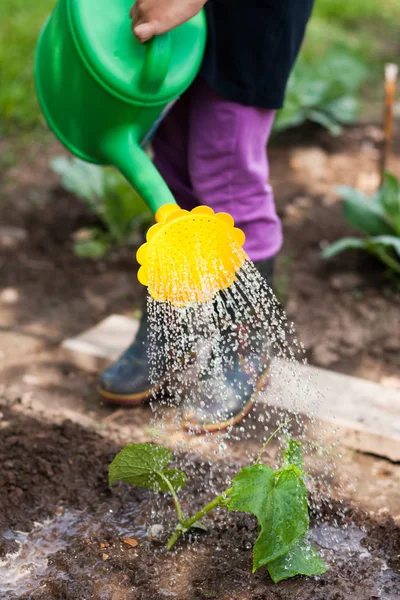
378	218
108	196
277	498
326	92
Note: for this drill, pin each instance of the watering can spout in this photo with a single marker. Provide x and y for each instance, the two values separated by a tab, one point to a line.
121	149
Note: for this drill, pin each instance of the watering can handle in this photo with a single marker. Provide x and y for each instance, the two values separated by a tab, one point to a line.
156	63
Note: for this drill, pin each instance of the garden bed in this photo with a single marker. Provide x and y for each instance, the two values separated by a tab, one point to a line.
59	472
337	305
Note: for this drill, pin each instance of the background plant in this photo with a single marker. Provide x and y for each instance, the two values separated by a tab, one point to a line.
378	218
110	197
278	499
325	92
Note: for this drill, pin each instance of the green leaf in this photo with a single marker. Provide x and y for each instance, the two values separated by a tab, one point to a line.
325	120
92	248
200	526
390	200
324	91
144	465
292	456
363	213
343	110
279	501
83	179
122	205
302	559
386	240
347	243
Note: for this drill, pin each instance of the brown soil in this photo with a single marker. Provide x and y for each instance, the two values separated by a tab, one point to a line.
347	310
51	469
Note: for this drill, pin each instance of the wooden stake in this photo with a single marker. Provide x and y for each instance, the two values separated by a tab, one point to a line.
391	72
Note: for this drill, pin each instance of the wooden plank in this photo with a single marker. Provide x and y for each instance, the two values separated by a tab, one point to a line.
364	415
95	348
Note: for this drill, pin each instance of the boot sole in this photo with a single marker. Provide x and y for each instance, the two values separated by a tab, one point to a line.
204	429
127	400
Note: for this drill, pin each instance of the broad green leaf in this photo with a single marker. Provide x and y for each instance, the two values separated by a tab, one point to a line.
292	456
364	213
343	110
302	559
323	91
386	240
82	179
390	199
144	465
279	501
386	249
343	70
347	243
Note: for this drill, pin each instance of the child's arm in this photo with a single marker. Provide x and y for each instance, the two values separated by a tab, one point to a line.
153	17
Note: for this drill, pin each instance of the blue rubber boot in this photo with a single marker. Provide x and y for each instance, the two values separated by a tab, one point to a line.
220	400
127	380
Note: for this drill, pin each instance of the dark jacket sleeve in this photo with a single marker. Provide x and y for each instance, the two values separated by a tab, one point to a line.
252	46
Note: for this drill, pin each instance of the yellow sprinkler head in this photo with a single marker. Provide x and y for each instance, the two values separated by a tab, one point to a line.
190	256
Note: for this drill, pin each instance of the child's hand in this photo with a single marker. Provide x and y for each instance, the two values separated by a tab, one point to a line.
153	17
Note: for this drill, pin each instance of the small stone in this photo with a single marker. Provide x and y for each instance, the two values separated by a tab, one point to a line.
352	339
31	379
82	235
346	281
155	532
368	182
104	545
392	344
12	237
310	161
391	382
325	356
375	133
59	511
130	542
104	556
9	296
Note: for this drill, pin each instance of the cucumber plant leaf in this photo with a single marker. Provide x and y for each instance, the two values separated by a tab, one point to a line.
302	559
144	465
293	455
279	501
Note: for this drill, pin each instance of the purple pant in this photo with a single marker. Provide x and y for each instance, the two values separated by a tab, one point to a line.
213	151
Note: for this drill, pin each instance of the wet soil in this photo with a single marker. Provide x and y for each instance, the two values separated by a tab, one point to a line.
60	472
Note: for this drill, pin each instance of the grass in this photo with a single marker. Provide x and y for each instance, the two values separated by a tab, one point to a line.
369	28
20	23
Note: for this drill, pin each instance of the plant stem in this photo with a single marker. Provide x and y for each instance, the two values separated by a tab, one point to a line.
182	527
281	426
385	257
178	507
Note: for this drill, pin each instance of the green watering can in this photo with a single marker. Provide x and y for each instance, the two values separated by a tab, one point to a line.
103	93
